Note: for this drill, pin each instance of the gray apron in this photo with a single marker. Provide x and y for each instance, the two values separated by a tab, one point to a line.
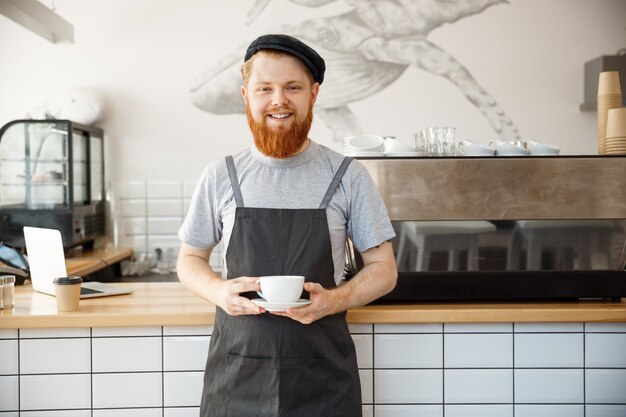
267	365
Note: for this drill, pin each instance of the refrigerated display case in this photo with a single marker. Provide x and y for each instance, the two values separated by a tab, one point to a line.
52	175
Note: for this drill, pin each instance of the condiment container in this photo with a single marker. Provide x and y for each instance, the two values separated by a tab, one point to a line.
8	291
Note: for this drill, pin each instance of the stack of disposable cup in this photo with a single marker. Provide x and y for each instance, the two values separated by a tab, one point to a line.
616	132
609	97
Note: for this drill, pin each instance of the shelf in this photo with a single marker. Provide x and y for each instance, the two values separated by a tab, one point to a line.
45	161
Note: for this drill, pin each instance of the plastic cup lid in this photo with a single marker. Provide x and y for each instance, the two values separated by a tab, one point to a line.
67	280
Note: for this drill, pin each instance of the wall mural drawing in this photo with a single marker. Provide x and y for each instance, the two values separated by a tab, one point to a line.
366	49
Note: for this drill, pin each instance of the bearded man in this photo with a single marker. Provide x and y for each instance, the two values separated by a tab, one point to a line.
284	206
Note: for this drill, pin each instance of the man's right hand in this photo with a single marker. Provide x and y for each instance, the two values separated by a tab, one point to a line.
196	274
228	298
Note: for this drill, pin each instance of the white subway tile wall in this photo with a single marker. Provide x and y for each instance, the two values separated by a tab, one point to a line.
549	411
367	386
364	350
605	350
127	354
466	410
126	390
564	386
55	356
182	412
53	413
549	350
150	214
408	351
50	392
478	350
486	370
182	388
185	353
408	410
480	386
9	362
9	387
605	410
135	412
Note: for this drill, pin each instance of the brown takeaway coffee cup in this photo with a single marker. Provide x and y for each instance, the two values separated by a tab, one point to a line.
608	83
67	291
616	123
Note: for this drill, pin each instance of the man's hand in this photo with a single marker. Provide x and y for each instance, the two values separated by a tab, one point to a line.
228	298
377	277
196	275
322	304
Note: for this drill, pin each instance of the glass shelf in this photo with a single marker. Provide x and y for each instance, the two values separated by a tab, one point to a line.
44	161
35	183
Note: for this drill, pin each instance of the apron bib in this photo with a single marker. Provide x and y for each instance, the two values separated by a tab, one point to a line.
268	365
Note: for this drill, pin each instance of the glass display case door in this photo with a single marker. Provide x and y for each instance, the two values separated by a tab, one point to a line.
34	169
96	169
80	175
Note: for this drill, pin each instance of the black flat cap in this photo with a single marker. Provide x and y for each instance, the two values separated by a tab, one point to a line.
311	59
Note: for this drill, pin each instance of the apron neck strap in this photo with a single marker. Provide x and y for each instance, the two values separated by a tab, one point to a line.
234	182
335	182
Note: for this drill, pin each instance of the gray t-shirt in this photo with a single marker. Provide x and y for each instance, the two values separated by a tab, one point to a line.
297	182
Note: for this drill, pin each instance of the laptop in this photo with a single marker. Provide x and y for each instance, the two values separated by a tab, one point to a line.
47	261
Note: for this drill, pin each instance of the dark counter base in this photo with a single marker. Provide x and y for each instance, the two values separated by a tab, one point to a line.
518	286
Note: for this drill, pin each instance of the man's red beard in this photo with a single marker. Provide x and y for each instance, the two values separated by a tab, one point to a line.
279	143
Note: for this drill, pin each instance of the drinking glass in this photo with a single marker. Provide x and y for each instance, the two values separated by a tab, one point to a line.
420	142
442	139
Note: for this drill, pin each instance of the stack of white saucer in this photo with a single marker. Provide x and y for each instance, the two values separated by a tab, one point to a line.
364	145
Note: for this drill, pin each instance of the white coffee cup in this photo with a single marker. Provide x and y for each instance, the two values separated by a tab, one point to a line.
470	148
281	288
537	148
394	145
504	148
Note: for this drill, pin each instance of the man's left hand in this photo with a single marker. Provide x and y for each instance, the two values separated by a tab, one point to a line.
322	304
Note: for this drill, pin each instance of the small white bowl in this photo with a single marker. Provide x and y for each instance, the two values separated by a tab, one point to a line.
367	143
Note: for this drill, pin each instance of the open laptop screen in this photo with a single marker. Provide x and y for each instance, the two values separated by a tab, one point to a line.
12	257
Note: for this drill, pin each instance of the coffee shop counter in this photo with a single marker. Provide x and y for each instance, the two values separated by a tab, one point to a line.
169	303
89	262
144	354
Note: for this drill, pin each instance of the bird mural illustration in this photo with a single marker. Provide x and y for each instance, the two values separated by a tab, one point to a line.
366	49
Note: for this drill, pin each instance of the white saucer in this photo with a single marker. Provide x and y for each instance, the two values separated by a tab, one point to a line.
403	153
279	306
364	154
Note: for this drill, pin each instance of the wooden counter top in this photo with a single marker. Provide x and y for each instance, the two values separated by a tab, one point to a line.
89	262
170	304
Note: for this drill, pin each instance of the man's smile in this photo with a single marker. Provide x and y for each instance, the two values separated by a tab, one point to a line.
279	116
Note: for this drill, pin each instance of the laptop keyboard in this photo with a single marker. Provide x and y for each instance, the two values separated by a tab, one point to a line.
84	291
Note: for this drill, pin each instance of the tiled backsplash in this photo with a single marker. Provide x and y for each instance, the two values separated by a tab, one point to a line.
406	370
148	215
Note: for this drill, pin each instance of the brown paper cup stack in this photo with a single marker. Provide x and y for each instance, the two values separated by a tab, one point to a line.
616	132
609	97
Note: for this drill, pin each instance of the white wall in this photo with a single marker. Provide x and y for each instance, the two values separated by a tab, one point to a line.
142	55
